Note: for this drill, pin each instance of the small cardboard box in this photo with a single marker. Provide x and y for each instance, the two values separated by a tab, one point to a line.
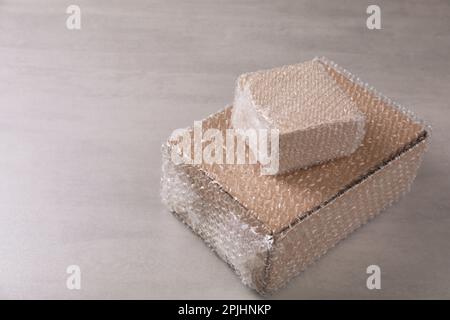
270	228
316	120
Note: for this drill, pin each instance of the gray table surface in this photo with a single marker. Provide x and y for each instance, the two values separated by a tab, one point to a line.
83	114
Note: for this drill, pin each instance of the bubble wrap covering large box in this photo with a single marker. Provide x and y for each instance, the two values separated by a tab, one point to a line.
315	119
270	228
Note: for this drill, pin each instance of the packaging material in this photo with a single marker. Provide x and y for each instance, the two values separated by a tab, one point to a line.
315	119
270	228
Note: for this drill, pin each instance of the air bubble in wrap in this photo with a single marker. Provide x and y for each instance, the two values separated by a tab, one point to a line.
316	120
270	228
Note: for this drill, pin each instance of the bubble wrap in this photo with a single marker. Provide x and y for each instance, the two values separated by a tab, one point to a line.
270	228
316	120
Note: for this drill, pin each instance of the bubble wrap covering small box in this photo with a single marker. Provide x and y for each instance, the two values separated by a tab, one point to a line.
270	228
316	120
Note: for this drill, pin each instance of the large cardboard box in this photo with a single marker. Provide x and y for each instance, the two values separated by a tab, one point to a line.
270	228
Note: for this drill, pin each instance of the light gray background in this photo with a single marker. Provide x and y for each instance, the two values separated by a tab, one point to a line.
83	115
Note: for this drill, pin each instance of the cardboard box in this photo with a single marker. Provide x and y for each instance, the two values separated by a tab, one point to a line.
270	228
315	119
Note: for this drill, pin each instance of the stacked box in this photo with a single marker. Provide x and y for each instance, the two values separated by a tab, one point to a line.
270	228
315	119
